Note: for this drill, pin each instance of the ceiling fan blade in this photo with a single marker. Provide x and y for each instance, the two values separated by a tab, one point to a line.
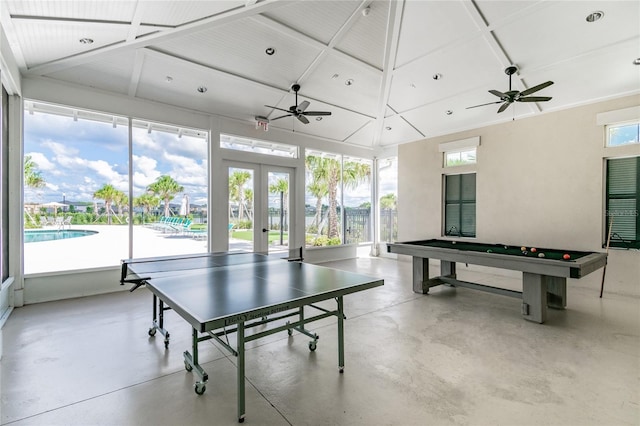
535	99
282	116
303	105
536	88
503	107
498	94
489	103
279	109
303	119
314	113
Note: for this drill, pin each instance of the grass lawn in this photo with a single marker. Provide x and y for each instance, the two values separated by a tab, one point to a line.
247	234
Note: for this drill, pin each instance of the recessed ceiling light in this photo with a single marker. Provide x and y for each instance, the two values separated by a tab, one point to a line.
318	118
412	85
349	82
366	11
333	77
202	89
270	51
86	40
388	128
168	79
437	76
449	112
636	61
595	16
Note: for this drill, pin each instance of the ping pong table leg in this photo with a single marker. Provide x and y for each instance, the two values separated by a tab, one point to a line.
340	335
240	349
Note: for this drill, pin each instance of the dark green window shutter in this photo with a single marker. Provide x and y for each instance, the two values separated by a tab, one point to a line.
623	201
460	205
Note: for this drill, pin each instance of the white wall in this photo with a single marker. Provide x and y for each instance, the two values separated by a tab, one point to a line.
540	182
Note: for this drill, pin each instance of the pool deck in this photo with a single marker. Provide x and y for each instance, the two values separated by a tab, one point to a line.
109	246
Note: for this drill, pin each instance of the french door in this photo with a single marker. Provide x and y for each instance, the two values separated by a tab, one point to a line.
260	207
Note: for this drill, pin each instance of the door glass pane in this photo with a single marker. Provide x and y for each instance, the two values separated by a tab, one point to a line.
241	209
278	208
169	190
75	188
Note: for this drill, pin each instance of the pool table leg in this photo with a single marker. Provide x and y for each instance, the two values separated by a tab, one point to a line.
534	297
420	275
556	292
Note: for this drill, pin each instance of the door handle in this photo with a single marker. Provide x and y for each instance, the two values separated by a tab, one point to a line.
265	230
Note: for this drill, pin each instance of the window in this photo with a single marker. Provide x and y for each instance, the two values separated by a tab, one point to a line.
460	152
356	181
337	199
388	190
623	134
323	210
459	158
623	201
75	184
170	189
78	204
460	205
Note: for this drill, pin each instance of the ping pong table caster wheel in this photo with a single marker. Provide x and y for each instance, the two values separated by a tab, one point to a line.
200	388
290	332
312	346
152	332
166	343
188	367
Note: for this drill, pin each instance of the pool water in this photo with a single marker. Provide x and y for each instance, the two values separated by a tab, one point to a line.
51	235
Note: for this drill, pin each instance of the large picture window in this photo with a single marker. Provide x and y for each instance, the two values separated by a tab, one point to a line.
460	205
77	198
337	200
4	188
388	189
623	201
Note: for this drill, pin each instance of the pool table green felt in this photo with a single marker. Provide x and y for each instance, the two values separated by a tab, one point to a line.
553	254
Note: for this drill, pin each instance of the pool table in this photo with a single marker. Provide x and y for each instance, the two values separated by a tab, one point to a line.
544	271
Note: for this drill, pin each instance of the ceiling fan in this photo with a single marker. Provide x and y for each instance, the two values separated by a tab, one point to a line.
298	111
511	96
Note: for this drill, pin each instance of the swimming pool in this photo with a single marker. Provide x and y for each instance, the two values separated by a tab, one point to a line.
50	235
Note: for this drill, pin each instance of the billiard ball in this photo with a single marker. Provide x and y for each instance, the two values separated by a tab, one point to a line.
523	248
540	254
566	256
533	249
506	247
489	251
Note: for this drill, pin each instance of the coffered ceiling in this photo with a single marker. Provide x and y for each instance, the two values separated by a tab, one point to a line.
390	72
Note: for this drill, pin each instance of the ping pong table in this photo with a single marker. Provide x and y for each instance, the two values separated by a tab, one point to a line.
223	293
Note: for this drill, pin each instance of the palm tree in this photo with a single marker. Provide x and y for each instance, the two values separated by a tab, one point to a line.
166	188
237	181
107	193
32	176
121	200
388	201
147	202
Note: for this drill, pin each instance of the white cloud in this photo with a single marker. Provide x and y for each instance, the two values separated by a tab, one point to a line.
41	161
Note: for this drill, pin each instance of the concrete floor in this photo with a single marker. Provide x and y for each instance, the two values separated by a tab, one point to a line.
454	357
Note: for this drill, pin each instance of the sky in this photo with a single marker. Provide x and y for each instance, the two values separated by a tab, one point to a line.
76	158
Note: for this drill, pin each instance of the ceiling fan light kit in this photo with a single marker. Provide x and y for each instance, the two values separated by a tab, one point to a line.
511	96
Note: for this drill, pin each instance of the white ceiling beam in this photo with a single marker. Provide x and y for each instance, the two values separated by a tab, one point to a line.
394	23
182	30
137	71
135	22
